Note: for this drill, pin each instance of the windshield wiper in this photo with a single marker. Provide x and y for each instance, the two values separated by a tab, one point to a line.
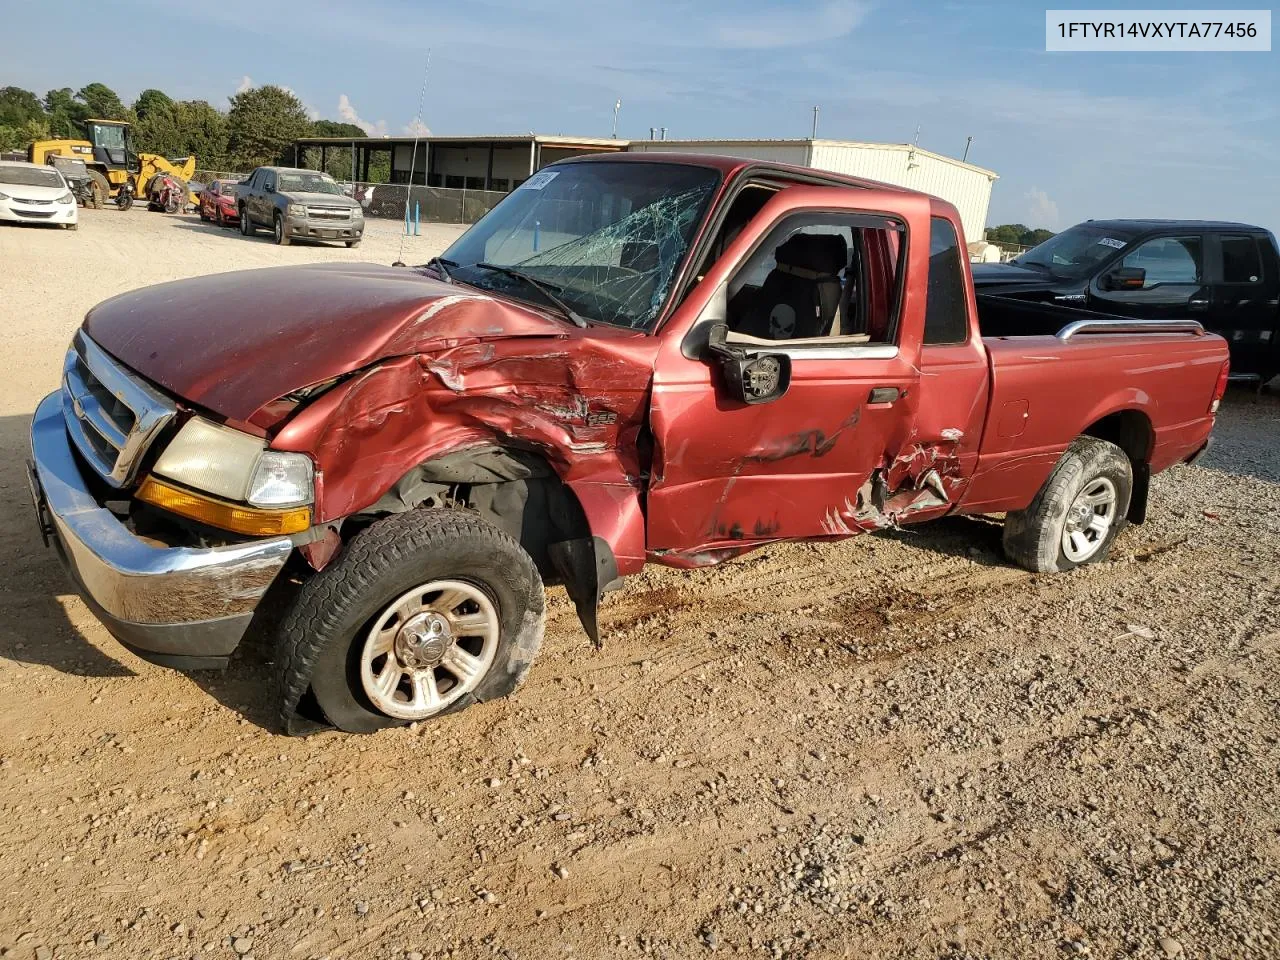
441	265
542	287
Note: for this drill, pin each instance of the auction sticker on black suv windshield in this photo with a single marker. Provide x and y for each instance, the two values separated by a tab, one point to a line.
1157	31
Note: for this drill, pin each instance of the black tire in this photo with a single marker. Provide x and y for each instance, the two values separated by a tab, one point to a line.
277	227
101	190
219	219
1033	538
353	243
321	639
246	225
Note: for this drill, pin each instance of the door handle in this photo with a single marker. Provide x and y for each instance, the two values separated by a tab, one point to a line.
1198	305
883	395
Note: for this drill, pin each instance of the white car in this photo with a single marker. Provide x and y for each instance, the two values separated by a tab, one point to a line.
30	193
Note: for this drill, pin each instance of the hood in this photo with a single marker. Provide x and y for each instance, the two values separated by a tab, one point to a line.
21	191
231	342
320	199
991	274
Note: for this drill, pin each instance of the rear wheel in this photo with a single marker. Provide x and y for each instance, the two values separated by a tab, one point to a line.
100	189
277	224
1077	514
423	613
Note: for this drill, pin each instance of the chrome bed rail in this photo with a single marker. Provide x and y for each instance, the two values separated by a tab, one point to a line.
1130	326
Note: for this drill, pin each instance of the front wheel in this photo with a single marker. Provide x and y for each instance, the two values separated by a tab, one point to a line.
246	225
1077	514
423	613
282	238
353	243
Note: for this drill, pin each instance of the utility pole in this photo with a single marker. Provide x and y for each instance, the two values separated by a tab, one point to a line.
814	135
616	107
968	142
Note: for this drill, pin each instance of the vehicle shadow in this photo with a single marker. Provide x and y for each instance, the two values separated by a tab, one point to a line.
976	538
37	604
232	232
37	628
1247	435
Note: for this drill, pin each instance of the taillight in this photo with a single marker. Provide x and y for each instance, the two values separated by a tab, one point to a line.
1220	388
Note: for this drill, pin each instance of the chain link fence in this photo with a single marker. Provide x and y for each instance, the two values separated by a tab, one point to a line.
389	200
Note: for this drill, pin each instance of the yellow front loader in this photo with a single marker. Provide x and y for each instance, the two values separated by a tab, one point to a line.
109	155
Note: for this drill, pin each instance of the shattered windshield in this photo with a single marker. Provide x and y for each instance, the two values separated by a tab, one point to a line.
605	238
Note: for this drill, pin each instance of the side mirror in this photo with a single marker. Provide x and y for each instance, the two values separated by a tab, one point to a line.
1125	278
268	189
749	378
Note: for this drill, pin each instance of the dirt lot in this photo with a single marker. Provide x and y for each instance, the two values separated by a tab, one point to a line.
895	745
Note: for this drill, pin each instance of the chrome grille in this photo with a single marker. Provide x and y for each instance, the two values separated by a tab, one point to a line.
112	416
33	202
329	213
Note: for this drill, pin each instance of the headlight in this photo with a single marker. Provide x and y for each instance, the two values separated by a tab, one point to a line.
236	466
66	198
295	210
356	212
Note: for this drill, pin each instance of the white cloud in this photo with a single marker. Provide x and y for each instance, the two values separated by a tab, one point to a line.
417	129
246	84
348	113
787	26
1041	210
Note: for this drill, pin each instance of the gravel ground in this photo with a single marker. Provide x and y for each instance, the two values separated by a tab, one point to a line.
892	746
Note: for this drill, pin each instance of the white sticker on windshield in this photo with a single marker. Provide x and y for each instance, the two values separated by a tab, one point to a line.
539	180
1108	242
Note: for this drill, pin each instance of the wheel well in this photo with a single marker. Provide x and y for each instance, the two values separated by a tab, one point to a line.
515	490
1131	431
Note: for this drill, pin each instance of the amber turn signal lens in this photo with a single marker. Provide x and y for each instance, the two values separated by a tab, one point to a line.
219	513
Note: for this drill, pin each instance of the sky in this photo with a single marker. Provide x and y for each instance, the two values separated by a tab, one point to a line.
1072	135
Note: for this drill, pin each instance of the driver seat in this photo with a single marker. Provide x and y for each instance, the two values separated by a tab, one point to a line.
801	295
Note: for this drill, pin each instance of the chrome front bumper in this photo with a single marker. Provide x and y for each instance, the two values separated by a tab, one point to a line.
180	606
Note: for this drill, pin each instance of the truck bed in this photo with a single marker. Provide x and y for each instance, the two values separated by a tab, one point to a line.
1143	384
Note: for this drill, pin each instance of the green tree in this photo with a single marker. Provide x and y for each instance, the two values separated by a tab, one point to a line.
20	137
65	113
150	102
1033	237
262	124
333	128
184	128
17	106
102	102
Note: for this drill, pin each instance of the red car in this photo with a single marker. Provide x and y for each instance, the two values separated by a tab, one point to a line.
218	203
627	361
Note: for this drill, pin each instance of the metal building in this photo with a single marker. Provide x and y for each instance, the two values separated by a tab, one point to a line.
966	186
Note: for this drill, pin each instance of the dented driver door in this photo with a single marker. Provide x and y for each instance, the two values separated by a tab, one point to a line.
811	462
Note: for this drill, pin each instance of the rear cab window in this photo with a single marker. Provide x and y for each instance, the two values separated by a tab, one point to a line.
946	317
1241	259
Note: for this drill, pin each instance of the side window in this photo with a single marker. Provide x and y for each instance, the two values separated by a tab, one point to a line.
268	181
1168	260
1241	260
820	275
946	318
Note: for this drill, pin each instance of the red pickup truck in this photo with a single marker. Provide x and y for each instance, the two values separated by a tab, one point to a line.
628	360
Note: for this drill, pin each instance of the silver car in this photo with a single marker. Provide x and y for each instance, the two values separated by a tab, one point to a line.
298	205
